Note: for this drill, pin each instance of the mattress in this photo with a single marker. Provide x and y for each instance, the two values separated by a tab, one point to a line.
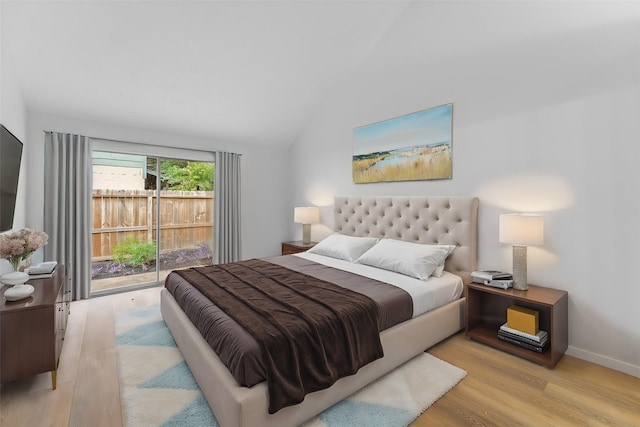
240	353
426	294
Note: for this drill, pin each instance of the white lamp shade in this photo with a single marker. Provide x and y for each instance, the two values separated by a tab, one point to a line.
522	229
306	215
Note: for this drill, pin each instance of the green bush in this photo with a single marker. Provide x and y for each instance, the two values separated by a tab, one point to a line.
130	251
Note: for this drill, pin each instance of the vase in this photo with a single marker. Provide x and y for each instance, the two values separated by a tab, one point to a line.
25	263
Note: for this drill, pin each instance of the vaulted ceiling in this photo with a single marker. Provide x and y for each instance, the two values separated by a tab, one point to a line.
255	71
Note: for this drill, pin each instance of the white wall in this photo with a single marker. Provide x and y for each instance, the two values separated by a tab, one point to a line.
550	127
263	176
13	117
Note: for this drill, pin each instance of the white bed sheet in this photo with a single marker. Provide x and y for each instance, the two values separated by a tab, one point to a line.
426	294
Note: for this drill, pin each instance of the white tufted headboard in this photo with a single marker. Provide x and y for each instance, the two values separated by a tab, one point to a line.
434	220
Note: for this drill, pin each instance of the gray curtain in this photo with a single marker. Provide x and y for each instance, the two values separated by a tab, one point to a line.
227	208
67	210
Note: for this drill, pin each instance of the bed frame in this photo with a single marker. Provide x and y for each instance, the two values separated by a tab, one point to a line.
439	220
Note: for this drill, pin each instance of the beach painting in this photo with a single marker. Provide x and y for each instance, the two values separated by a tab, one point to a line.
413	147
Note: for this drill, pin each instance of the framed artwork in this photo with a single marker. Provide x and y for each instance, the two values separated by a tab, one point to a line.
413	147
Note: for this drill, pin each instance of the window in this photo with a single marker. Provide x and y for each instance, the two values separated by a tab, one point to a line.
151	215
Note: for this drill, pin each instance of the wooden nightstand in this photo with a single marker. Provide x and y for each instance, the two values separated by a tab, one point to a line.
294	247
487	310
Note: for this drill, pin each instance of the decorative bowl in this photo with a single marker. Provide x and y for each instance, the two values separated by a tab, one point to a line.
18	292
14	278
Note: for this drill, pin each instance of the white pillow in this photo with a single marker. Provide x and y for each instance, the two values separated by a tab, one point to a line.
344	247
413	259
439	271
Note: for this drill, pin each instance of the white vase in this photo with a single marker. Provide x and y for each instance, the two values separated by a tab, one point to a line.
14	278
18	292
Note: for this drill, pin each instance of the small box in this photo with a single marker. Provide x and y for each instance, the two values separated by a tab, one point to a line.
522	319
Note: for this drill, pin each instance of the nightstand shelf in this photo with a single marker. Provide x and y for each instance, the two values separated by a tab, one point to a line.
296	246
487	310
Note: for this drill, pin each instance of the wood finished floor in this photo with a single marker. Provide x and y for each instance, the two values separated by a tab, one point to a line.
499	390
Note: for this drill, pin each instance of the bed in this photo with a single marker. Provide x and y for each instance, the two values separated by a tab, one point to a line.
440	220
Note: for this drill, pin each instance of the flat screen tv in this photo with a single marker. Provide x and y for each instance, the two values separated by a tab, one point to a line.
10	156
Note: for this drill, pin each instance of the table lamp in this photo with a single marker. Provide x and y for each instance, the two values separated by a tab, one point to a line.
306	216
521	230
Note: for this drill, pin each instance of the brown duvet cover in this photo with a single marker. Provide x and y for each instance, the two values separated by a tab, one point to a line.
298	324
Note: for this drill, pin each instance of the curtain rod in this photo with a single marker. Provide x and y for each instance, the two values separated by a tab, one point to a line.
144	143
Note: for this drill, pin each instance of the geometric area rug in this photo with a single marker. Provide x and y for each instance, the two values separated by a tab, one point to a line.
157	388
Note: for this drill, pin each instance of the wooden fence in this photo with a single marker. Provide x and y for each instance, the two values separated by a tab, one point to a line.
186	219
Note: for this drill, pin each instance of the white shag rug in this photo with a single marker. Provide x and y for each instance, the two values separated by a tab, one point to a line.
157	388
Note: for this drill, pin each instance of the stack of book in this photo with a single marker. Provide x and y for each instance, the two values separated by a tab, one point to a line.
497	279
538	342
42	270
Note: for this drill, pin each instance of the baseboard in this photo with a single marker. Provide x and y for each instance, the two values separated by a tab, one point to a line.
608	362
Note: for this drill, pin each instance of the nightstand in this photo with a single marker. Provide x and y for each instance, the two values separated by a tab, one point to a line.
294	247
487	310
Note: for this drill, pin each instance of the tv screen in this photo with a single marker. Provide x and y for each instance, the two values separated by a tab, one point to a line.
10	156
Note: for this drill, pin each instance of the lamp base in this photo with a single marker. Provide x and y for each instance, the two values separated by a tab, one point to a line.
306	233
520	268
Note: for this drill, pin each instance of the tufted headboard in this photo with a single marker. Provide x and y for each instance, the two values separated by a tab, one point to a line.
434	220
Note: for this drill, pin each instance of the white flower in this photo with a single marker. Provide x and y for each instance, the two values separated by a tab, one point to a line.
18	245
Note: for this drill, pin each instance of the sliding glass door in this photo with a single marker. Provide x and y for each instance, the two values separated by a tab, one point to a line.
151	215
185	214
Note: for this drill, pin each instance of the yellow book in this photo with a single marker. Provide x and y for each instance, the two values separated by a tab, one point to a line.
523	319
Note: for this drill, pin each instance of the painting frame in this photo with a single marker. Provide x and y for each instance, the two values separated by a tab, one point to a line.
413	147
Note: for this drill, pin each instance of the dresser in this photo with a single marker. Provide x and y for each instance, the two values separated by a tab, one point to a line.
32	329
